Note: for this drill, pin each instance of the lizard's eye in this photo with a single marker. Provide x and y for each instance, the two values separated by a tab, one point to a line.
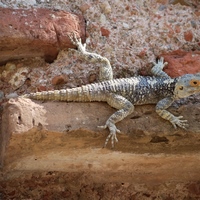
195	83
180	88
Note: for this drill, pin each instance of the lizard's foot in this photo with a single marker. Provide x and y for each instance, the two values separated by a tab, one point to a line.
178	122
76	41
113	130
158	67
160	64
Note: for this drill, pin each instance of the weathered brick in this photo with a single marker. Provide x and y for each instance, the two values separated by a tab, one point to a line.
36	32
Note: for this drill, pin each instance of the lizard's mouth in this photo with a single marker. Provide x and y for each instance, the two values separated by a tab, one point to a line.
194	91
183	93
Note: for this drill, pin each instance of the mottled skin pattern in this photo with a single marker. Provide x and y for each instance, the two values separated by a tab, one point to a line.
124	93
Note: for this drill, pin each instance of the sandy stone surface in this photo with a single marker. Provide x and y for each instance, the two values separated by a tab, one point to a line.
43	164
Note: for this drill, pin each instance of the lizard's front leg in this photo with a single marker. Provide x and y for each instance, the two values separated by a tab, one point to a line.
105	72
157	69
124	107
160	109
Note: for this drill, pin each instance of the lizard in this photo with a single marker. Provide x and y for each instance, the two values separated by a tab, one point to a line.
124	93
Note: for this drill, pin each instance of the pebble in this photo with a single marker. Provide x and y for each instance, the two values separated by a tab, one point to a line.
162	7
188	36
1	95
10	67
125	25
105	32
103	19
106	8
60	79
92	78
12	95
19	77
84	7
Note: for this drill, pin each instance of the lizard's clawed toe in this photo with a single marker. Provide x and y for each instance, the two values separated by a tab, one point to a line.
178	121
113	136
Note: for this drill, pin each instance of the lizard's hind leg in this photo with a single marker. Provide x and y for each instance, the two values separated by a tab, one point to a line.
105	72
124	107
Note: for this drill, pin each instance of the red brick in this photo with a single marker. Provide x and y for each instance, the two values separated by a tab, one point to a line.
182	62
36	32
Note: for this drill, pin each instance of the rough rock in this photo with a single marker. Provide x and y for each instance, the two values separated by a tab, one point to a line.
67	152
36	32
22	115
182	62
19	116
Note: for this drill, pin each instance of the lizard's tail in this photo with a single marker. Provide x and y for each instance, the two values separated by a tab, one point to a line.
84	93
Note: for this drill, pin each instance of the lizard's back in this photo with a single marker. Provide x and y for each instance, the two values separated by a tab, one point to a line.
138	90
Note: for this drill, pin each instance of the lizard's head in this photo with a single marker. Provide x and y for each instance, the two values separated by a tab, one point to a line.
187	85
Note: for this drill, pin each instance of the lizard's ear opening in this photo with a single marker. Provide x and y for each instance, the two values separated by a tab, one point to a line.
194	83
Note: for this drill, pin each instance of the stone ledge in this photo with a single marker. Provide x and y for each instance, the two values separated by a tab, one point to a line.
59	139
143	128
